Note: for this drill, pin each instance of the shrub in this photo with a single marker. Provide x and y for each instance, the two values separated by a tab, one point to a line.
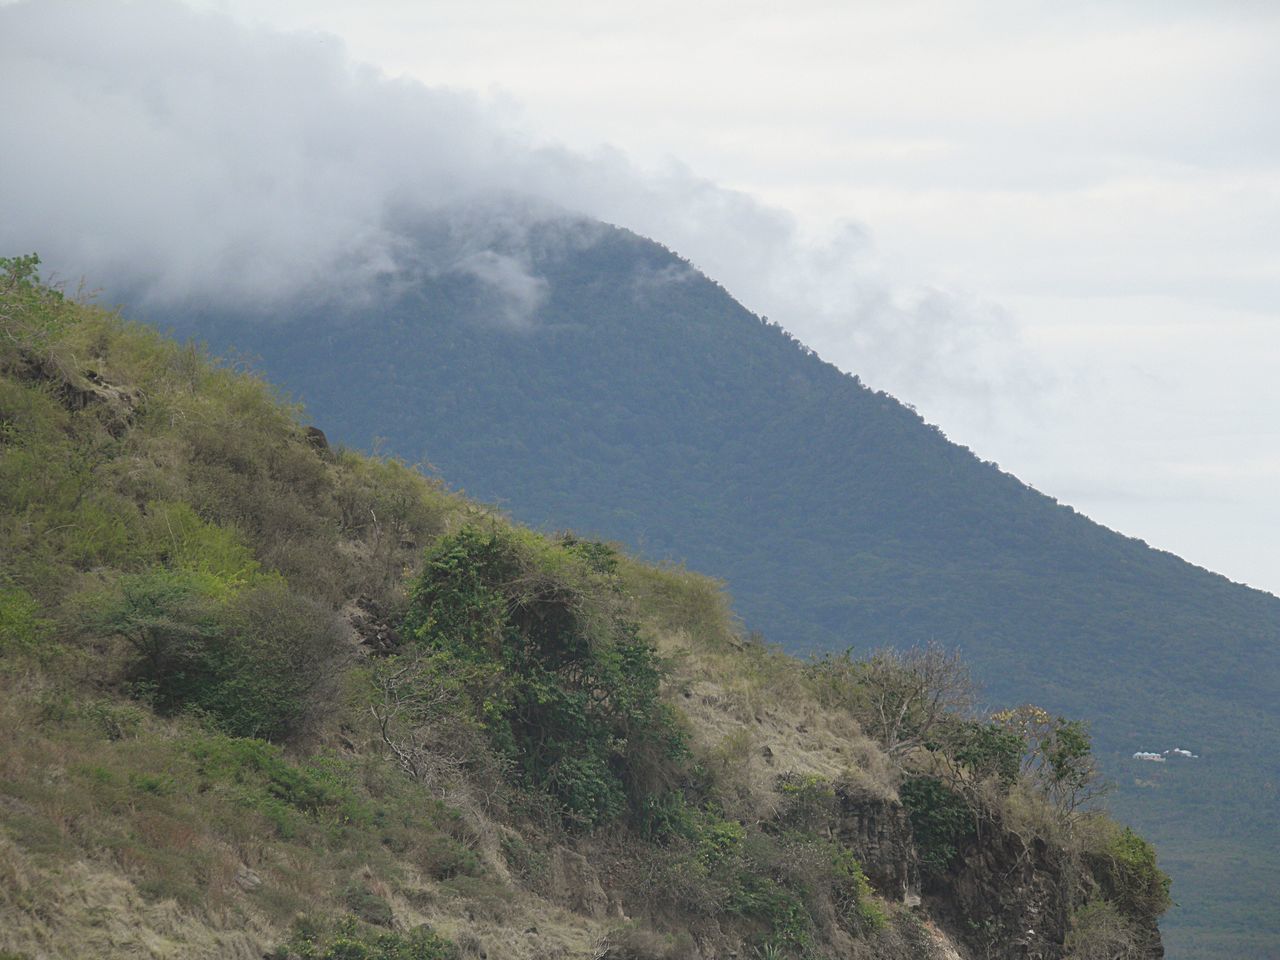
941	821
368	906
851	892
1058	756
275	666
31	312
538	636
1130	876
176	537
986	749
898	697
168	619
289	795
808	801
781	911
635	942
348	939
1098	931
22	629
256	661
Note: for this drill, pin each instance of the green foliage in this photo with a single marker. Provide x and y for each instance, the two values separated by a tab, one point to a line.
22	628
213	542
987	749
941	822
852	894
348	939
1137	886
808	801
253	660
367	905
719	841
286	793
176	537
1057	755
779	910
169	620
274	667
553	667
31	312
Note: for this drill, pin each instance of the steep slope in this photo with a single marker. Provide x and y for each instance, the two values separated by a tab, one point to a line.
636	400
264	698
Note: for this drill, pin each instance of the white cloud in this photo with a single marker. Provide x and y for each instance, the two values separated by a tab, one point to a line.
196	157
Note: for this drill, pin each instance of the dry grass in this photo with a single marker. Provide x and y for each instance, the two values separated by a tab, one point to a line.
753	715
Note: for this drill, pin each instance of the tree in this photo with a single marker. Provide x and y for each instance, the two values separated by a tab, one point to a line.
1058	756
168	621
901	697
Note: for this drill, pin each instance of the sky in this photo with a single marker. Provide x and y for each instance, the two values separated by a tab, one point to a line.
1053	228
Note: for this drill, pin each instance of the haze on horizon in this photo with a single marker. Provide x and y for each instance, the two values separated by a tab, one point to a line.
1053	231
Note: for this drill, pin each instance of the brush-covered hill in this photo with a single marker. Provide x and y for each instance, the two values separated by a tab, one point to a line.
620	392
265	697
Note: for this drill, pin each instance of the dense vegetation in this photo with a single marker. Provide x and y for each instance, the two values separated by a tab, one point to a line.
641	404
267	697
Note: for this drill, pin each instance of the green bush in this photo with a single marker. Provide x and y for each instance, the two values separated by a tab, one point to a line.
553	666
288	794
169	620
987	749
275	666
22	628
368	906
349	939
257	661
941	821
781	911
31	312
1131	877
852	895
808	801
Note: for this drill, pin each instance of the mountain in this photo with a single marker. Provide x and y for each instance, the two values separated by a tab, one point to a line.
265	698
581	376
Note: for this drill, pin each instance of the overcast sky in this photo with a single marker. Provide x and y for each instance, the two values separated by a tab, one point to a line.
1054	228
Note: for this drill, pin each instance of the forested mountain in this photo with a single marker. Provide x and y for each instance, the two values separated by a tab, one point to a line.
617	391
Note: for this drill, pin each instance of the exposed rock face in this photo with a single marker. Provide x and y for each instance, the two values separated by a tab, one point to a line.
1013	898
315	436
1006	897
87	389
373	628
878	832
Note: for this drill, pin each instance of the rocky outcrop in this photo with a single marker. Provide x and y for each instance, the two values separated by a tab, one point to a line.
78	391
373	629
1014	897
878	831
1006	896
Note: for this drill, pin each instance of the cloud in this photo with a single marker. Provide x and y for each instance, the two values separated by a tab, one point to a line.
183	156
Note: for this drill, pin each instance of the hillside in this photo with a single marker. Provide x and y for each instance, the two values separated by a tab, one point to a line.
638	402
265	697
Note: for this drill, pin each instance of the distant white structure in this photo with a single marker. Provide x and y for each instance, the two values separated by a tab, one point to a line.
1153	757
